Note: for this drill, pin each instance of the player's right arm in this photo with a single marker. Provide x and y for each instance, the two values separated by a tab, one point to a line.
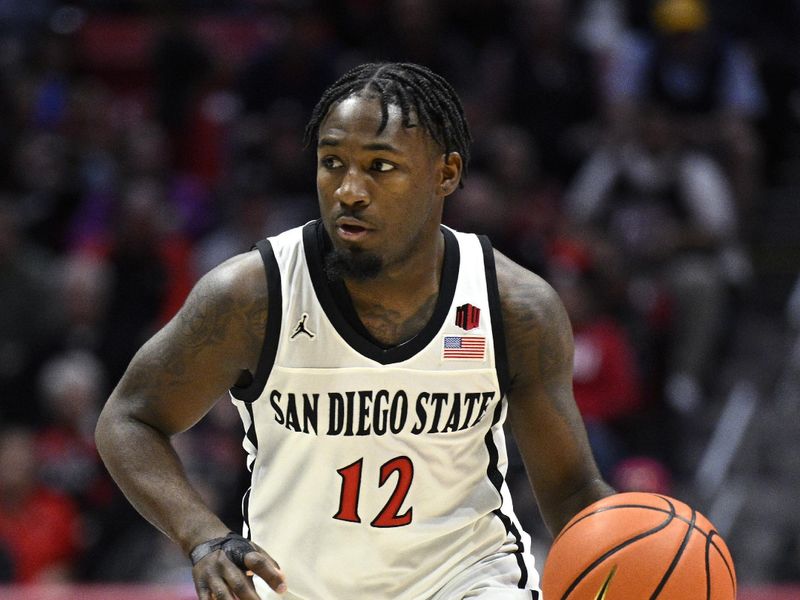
171	383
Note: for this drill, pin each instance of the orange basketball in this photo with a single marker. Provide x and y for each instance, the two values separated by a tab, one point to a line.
639	546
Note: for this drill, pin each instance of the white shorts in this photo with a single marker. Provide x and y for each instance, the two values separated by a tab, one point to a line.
493	578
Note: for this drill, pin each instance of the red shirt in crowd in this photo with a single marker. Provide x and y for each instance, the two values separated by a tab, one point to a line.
40	534
605	380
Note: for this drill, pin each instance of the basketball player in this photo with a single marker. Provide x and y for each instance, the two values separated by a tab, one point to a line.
373	356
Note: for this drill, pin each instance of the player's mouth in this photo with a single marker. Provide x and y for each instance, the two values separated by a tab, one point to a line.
352	230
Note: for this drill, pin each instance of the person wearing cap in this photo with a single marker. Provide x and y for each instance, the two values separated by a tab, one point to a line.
704	81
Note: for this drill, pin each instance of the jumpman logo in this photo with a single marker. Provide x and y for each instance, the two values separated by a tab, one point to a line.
301	328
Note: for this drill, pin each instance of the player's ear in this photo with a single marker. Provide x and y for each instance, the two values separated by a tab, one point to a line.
450	168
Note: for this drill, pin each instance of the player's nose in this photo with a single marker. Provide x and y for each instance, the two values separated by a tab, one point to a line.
352	189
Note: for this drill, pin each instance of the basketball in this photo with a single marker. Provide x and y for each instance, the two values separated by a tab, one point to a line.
637	545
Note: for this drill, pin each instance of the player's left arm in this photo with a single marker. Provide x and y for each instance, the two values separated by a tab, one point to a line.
543	416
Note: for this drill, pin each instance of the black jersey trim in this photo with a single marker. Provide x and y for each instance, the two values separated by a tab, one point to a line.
269	348
246	512
251	435
340	315
504	380
495	310
496	477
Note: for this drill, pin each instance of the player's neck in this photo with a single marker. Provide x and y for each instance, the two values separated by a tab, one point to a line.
403	284
398	304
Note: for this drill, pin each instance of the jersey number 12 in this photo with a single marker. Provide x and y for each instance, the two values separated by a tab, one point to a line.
351	488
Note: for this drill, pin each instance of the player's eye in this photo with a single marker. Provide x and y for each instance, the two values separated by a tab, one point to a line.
382	166
330	162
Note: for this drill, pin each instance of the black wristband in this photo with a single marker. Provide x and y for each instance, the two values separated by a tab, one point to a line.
233	545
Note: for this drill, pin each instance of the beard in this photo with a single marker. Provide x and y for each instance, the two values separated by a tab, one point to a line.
352	264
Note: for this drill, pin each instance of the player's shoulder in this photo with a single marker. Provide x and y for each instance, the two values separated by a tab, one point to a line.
537	329
238	279
524	295
232	300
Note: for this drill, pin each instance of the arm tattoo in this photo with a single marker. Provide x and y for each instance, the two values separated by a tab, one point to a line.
538	331
150	382
212	319
207	320
255	313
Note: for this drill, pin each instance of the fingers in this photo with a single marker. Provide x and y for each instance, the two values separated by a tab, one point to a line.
263	565
217	578
216	589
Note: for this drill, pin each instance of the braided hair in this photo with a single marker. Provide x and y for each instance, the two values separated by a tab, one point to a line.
414	89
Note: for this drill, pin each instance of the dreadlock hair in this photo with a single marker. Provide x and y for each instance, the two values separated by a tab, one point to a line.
414	89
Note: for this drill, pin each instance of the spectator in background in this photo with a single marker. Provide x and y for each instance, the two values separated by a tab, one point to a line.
72	386
85	282
773	41
290	163
94	127
181	66
150	271
606	375
293	65
244	219
145	156
50	81
534	195
511	198
554	88
418	31
45	185
482	207
670	212
130	156
26	319
705	85
39	528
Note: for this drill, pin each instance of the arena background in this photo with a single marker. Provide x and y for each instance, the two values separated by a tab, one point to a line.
142	143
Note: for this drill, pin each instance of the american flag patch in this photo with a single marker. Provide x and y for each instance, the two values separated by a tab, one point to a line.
460	346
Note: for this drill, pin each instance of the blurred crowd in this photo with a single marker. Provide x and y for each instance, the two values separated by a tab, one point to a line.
621	150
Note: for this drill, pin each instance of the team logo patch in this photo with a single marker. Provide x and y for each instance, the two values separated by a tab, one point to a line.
301	328
468	316
462	347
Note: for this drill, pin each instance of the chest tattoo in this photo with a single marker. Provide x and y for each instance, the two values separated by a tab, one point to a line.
392	327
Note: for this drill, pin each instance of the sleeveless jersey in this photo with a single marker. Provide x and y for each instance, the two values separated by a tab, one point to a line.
380	472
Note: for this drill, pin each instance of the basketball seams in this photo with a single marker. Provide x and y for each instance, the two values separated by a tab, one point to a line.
648	507
708	566
728	566
638	507
676	558
613	551
607	508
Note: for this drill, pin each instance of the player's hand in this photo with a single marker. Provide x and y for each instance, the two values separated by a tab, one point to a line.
217	576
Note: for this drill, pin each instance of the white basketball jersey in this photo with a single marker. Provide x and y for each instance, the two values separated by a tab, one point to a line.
379	473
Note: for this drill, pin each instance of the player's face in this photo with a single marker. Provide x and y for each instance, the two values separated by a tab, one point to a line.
380	194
